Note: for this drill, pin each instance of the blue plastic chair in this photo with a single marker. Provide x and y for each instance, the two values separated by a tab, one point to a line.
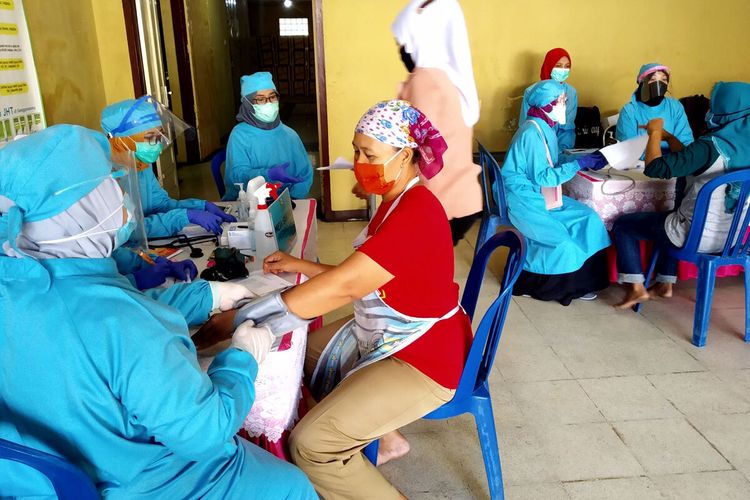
736	251
69	482
495	210
473	393
216	161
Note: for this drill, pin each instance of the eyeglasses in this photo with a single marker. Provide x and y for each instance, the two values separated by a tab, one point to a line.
155	137
265	100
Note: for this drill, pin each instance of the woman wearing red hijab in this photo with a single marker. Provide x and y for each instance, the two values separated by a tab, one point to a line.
556	66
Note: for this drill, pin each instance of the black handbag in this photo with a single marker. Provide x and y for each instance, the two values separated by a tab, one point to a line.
228	264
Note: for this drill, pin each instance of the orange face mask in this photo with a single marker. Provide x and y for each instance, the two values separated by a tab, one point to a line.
371	176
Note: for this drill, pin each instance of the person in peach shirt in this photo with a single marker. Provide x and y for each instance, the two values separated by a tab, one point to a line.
435	49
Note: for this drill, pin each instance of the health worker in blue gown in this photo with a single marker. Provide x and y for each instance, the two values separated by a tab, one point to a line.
137	125
556	66
650	101
93	370
194	298
260	145
143	128
564	260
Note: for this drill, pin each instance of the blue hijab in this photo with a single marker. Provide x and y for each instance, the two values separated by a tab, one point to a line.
729	122
729	129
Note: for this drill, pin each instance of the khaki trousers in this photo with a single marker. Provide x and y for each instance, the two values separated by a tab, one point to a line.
385	396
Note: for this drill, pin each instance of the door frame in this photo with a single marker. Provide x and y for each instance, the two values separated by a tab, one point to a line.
134	47
184	74
179	25
328	213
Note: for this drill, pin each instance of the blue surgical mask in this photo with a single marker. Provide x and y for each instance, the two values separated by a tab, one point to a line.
266	113
148	153
123	234
560	74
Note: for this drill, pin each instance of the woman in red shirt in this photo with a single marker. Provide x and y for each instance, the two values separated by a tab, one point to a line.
402	354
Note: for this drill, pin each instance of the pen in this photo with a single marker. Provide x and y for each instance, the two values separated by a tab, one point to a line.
146	257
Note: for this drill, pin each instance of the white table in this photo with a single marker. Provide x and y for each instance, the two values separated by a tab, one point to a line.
278	385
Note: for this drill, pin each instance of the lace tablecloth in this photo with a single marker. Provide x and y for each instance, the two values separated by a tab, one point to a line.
626	191
279	383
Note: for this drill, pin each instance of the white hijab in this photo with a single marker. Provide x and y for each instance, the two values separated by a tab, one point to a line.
436	37
81	216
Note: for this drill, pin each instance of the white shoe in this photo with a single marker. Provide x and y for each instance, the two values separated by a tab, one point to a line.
589	296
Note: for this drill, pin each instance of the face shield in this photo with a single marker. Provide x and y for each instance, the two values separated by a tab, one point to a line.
653	90
125	172
148	128
132	232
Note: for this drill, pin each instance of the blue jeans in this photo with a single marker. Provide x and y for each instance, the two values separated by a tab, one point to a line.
628	232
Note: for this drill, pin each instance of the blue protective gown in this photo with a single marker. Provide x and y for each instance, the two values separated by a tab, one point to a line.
96	372
566	134
252	152
637	113
163	216
193	300
558	241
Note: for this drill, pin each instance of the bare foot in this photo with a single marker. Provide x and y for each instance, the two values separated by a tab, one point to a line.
663	290
392	446
636	294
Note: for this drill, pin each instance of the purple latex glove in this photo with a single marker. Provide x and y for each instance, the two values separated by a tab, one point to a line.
182	270
592	161
206	220
151	276
217	210
278	173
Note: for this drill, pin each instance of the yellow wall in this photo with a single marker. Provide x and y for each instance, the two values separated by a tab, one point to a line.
208	43
114	56
701	41
81	57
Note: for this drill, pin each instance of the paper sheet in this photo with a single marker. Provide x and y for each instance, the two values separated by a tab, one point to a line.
626	155
263	284
340	163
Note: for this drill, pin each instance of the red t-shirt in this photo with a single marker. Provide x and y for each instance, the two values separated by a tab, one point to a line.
414	244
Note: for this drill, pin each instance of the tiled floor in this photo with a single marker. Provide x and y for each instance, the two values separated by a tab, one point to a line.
592	403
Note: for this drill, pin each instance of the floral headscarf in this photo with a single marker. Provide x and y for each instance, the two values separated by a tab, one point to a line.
401	125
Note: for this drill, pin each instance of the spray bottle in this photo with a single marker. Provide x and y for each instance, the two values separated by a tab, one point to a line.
252	186
265	239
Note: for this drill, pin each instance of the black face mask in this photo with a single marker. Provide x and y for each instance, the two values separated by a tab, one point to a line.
407	60
652	93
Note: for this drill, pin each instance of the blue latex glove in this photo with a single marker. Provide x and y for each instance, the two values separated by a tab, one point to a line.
216	210
151	276
278	173
182	270
592	161
206	220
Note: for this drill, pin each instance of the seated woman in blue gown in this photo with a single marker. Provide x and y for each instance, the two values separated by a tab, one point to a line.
95	371
136	125
556	66
565	258
650	101
261	145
